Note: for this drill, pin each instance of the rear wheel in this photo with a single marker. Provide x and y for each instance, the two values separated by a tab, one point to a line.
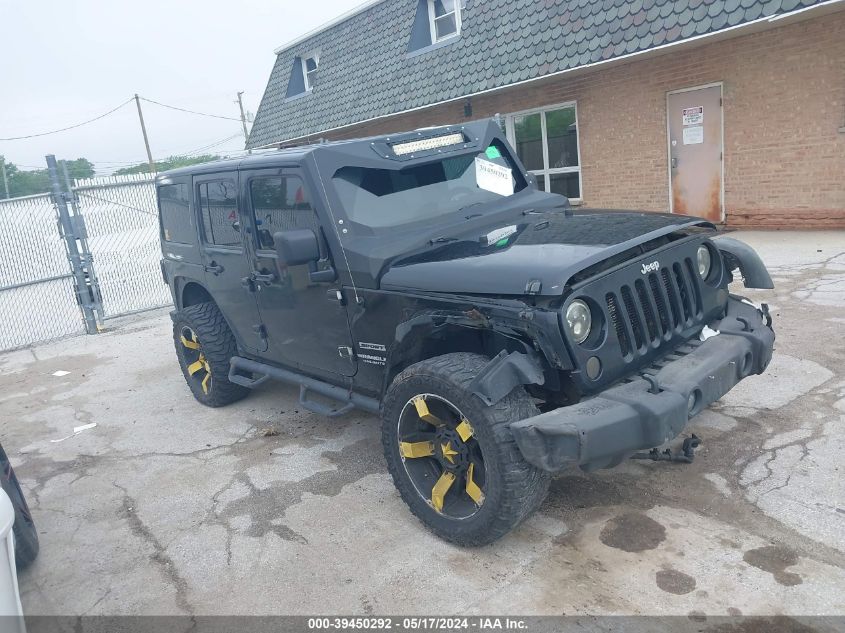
453	458
26	536
204	346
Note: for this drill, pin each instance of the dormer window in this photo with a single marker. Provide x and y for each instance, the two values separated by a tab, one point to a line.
444	17
310	63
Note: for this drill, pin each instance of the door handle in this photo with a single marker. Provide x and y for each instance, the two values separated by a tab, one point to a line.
266	278
214	268
674	163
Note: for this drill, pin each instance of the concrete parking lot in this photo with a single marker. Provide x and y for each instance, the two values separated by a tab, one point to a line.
167	507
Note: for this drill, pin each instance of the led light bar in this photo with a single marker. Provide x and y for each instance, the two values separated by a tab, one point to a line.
401	149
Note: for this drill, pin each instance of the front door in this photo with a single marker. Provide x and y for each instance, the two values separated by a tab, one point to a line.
305	317
695	151
226	265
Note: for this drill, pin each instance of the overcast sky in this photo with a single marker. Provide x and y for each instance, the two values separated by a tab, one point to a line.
65	61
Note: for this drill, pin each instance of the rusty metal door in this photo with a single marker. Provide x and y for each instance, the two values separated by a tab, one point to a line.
695	151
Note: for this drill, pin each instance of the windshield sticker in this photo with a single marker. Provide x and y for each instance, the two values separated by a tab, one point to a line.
499	235
493	152
493	177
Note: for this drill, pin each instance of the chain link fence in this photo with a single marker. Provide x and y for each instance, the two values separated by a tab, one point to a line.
112	226
121	219
37	297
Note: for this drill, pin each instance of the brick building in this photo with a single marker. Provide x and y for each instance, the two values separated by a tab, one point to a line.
729	109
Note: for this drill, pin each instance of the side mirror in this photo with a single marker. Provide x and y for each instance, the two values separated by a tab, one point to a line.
296	246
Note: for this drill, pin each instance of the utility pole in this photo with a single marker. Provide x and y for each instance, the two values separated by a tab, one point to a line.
144	132
243	118
5	178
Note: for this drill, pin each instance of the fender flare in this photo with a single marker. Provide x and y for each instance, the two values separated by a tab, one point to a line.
740	255
498	377
503	373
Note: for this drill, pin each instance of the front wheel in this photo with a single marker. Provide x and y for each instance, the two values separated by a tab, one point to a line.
452	457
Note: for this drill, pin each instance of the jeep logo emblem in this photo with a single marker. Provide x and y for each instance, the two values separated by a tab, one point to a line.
653	267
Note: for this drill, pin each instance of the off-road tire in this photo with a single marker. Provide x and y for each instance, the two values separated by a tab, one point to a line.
515	488
26	536
218	345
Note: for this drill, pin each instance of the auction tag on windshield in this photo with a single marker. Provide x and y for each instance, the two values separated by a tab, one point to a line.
493	177
496	236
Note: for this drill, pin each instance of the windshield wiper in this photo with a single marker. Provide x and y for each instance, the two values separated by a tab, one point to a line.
440	240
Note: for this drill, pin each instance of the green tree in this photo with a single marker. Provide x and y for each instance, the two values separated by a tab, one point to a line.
169	163
28	183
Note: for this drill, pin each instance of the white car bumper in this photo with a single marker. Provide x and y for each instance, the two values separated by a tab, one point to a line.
11	612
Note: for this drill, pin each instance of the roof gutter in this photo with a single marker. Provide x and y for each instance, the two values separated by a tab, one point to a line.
732	31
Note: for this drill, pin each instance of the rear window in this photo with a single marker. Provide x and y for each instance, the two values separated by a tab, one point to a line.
175	208
219	205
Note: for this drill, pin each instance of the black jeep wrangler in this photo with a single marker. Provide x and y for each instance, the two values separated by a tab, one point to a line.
424	277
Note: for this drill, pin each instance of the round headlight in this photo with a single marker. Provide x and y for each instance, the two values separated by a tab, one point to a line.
579	320
704	262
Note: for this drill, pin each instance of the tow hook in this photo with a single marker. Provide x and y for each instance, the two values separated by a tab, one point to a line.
686	456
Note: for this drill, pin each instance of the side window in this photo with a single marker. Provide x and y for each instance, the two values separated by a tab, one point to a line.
280	203
219	206
175	209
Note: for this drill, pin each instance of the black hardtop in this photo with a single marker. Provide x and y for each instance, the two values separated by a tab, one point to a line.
287	156
357	147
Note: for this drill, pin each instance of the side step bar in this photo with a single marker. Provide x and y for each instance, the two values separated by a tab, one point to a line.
347	398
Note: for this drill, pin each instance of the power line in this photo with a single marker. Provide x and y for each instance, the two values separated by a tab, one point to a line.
190	152
139	161
209	146
213	116
70	127
112	111
117	164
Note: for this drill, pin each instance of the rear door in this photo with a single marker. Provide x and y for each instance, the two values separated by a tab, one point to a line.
224	260
304	313
179	234
695	151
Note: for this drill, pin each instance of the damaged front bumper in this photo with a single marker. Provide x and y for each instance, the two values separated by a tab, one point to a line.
655	406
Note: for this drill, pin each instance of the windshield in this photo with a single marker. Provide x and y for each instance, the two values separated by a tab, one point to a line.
386	198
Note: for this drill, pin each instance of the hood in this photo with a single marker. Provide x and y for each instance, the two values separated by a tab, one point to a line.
545	249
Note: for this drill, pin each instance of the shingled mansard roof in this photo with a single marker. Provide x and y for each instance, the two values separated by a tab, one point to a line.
366	70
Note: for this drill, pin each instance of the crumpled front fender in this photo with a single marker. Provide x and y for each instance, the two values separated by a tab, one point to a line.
740	255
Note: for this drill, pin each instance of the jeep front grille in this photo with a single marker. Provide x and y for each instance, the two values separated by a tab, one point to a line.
655	308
